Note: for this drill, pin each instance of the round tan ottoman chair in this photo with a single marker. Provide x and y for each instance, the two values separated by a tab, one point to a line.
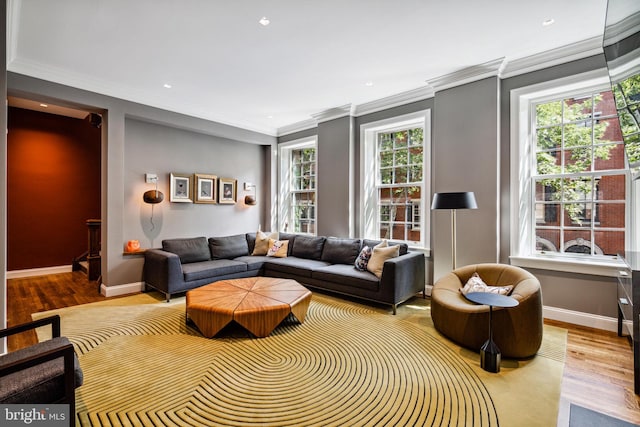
517	331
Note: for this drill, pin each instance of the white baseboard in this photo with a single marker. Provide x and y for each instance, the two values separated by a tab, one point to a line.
31	272
583	319
127	288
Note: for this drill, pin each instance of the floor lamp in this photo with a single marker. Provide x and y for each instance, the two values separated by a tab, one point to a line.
454	201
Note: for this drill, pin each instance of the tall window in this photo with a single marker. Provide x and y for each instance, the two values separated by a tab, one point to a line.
298	186
394	170
400	163
571	173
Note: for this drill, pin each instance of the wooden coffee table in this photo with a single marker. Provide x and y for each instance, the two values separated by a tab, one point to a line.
258	304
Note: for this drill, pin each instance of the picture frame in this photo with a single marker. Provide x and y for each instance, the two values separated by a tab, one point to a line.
181	188
227	190
206	188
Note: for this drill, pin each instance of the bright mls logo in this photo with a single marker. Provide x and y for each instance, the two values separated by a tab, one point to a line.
35	415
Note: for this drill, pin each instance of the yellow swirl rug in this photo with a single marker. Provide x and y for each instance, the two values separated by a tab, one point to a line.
347	365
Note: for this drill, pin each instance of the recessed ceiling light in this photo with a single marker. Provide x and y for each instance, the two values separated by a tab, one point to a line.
269	117
44	105
548	22
369	84
264	21
166	86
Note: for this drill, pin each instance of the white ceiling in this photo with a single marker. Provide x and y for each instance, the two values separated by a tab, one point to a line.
314	56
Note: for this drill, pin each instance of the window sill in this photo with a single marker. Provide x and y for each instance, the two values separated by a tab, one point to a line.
425	251
608	268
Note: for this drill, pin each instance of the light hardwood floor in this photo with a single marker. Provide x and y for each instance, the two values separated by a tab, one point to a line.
598	371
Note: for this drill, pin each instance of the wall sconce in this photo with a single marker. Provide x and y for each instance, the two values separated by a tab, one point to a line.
250	199
153	197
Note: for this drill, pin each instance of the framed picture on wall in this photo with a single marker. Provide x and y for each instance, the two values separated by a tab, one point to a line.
206	188
227	190
181	191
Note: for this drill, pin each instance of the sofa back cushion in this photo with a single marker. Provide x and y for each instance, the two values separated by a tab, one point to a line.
404	248
193	249
291	238
308	247
228	247
340	251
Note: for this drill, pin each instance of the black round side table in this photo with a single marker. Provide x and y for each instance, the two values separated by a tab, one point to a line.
489	352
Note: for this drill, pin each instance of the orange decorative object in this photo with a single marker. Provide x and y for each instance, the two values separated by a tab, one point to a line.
133	245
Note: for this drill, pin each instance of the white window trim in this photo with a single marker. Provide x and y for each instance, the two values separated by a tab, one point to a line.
368	195
284	179
522	214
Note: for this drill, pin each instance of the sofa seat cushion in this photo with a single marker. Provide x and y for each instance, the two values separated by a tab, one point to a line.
42	383
228	247
254	262
292	265
206	269
189	250
347	275
340	251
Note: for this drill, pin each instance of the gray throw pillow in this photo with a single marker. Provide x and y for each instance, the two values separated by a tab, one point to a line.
228	247
340	251
308	247
193	249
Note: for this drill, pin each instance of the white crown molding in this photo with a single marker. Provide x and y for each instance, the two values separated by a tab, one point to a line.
381	104
561	55
396	100
468	75
297	127
620	30
334	113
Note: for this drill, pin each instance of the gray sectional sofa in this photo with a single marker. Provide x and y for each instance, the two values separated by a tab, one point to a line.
323	263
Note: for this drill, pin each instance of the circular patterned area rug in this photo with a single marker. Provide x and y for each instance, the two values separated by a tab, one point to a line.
346	365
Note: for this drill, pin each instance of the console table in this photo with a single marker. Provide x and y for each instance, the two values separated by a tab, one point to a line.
629	309
489	352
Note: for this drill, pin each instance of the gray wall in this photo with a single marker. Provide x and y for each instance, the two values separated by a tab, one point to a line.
465	149
471	152
122	130
335	158
154	148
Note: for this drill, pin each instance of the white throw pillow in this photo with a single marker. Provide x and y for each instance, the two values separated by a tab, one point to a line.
476	284
381	252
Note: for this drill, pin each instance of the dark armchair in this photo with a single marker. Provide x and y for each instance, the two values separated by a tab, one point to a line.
47	372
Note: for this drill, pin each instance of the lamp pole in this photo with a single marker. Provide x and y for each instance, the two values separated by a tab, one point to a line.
453	237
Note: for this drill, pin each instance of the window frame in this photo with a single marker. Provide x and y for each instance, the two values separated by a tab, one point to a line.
523	210
286	214
369	201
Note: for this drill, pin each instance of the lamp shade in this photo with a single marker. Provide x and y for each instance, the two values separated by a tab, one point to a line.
461	200
153	196
249	200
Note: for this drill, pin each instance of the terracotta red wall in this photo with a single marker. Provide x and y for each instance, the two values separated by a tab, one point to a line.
53	187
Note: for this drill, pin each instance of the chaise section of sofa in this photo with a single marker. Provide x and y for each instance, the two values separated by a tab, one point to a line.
323	263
